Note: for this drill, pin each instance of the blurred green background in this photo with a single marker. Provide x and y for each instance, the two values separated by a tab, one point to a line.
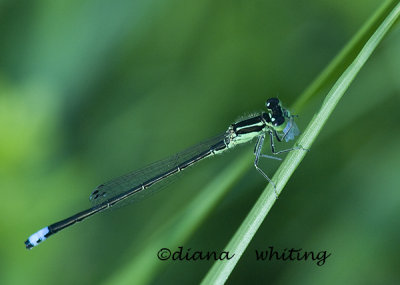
90	90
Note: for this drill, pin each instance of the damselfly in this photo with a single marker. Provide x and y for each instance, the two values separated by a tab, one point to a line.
277	122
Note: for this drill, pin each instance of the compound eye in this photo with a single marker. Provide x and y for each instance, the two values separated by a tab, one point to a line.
277	121
272	103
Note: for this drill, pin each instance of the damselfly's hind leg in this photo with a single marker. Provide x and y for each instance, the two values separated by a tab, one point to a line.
257	153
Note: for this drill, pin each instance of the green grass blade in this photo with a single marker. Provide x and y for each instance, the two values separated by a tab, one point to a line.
220	271
349	51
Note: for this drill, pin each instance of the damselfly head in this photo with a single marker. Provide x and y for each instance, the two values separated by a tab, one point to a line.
276	112
281	119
